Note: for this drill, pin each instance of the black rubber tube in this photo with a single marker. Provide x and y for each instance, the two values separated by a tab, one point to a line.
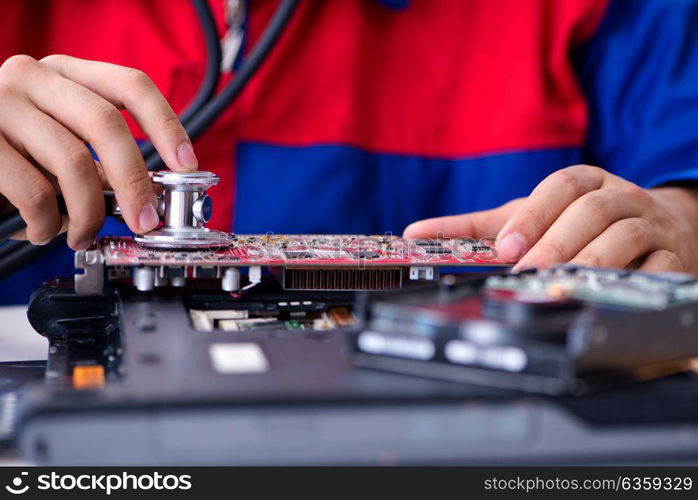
213	69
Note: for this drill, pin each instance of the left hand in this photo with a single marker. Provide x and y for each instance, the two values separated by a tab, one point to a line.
587	216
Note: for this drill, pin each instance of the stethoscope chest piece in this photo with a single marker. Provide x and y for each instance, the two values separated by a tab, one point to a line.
185	208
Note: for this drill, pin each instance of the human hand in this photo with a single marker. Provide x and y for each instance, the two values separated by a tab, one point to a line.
587	216
48	110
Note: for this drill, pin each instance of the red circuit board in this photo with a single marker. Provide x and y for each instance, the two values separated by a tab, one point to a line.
309	250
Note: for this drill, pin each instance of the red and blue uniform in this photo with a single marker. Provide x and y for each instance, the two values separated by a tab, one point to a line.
371	114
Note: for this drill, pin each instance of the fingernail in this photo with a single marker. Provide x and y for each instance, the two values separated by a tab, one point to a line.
409	229
186	156
148	219
83	245
511	247
42	243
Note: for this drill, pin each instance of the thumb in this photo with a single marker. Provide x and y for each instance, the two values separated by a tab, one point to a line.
482	224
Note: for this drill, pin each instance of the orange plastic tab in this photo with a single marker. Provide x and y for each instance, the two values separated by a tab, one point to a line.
88	376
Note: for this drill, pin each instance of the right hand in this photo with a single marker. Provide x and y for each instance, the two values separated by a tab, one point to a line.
49	109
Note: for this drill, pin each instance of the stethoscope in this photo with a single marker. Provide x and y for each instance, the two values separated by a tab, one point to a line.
197	117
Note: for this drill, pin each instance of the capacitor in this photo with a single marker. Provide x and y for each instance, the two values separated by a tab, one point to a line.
230	282
144	278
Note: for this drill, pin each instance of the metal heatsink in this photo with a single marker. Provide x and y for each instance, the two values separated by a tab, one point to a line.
384	278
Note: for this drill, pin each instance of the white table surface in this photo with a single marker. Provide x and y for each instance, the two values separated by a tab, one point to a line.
18	340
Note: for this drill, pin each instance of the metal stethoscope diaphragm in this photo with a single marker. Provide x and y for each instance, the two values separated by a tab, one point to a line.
185	209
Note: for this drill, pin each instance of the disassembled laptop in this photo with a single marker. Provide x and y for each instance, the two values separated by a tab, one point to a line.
170	320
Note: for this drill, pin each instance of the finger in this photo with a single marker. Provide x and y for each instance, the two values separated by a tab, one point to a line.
94	119
581	222
662	261
22	235
133	90
31	193
544	205
618	246
482	224
65	156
